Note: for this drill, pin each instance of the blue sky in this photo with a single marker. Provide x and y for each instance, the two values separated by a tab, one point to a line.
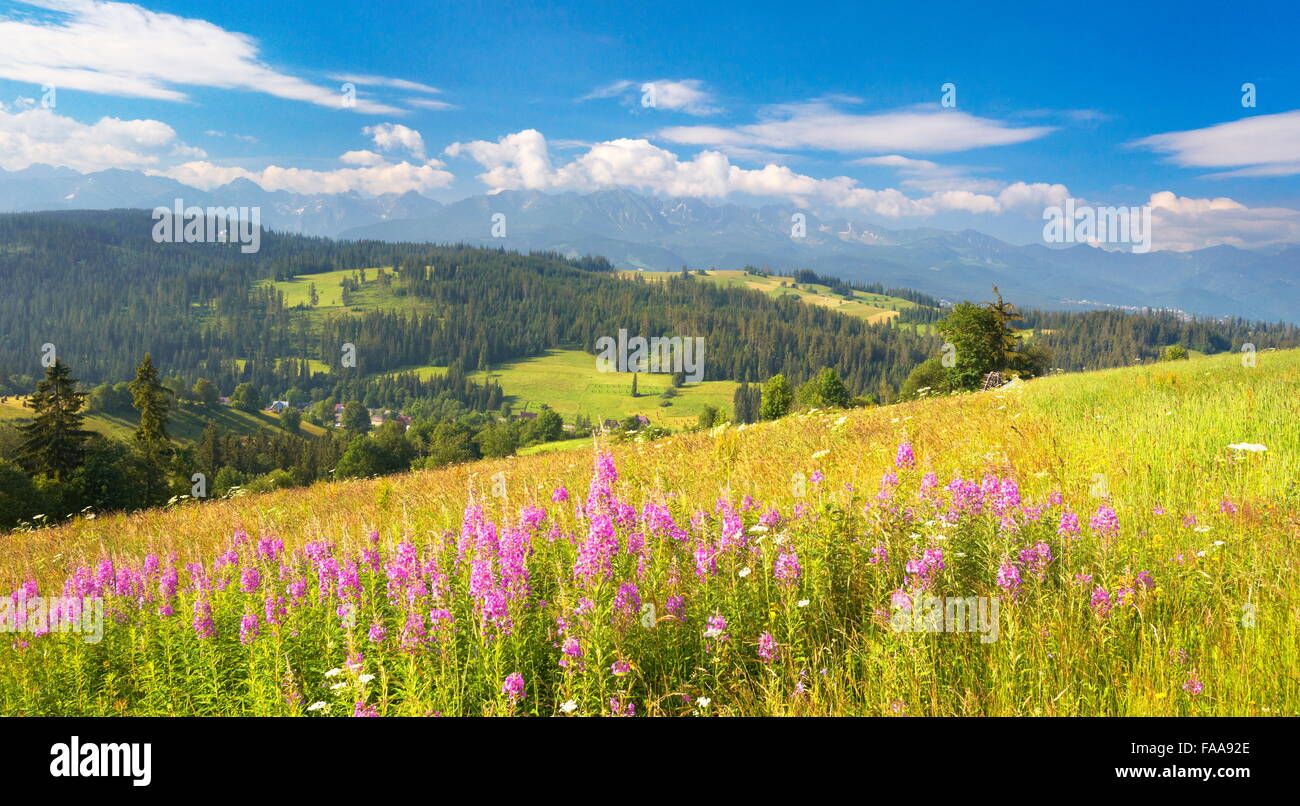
835	107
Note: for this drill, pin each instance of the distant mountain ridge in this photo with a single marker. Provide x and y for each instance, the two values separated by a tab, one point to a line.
637	231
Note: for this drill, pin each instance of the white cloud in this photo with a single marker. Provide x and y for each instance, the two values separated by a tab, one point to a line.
429	103
123	49
41	136
818	125
362	157
1182	224
685	95
1263	145
390	136
385	81
930	176
372	180
522	161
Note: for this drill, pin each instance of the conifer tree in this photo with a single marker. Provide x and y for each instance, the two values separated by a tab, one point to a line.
54	441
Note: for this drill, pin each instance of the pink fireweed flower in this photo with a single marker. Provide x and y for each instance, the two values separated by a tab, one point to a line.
203	626
274	609
596	554
922	571
900	600
495	615
706	560
1157	510
250	579
766	647
676	607
1144	580
363	710
560	495
1009	578
1105	522
571	653
530	517
1069	525
620	668
1125	596
1101	601
1036	558
413	632
879	555
627	602
513	687
904	457
1193	686
816	477
1055	498
717	628
1227	507
770	518
377	633
787	567
248	629
270	548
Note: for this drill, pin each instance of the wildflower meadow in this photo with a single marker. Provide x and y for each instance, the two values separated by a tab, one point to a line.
1116	543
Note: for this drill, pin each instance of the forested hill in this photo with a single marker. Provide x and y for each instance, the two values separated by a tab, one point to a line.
97	287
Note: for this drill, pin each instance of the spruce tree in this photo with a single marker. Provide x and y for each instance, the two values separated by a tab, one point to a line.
54	441
150	399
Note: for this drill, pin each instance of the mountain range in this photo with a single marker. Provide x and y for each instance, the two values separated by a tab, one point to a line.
641	232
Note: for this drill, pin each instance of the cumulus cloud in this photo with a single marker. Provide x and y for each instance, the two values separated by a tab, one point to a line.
362	157
522	161
391	136
371	180
684	95
1181	224
820	125
123	49
1262	145
38	135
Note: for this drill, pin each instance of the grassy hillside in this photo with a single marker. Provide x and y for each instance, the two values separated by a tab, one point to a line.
569	382
184	424
874	308
1187	608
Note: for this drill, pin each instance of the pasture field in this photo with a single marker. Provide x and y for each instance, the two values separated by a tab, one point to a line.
569	382
1136	528
185	423
874	308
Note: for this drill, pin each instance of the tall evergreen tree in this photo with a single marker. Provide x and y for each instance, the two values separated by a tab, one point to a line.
54	441
150	399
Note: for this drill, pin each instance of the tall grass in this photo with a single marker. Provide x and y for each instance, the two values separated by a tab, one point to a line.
1195	615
